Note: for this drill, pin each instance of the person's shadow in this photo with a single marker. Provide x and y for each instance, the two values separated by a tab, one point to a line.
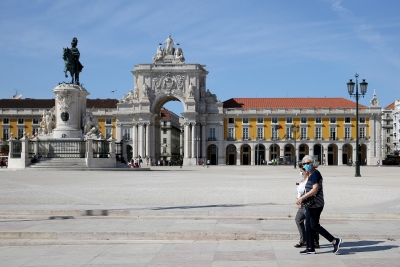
353	247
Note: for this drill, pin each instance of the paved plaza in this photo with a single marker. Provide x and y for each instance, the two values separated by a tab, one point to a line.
195	216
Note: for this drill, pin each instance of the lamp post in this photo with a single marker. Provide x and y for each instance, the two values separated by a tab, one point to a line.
295	129
357	95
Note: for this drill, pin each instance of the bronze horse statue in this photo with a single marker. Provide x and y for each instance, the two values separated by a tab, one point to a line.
72	65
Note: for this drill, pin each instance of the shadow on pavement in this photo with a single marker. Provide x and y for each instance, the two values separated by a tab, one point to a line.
349	248
197	207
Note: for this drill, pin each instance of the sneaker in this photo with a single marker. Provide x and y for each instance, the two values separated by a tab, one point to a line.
307	251
316	245
337	245
299	245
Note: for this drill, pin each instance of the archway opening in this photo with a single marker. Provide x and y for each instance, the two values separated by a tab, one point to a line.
245	155
231	155
332	154
260	154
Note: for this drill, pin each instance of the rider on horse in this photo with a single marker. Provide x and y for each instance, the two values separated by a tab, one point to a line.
72	63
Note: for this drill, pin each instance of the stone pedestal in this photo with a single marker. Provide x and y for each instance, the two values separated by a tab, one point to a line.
70	105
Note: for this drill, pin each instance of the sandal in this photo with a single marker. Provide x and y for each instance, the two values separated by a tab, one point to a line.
299	245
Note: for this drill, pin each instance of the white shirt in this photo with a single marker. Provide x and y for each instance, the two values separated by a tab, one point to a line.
300	188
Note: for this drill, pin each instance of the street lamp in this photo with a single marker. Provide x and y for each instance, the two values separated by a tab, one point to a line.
295	129
357	95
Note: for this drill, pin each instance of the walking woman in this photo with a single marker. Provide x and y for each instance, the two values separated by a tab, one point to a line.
300	215
313	201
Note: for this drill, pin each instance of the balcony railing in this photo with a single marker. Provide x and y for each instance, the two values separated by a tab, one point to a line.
212	139
231	139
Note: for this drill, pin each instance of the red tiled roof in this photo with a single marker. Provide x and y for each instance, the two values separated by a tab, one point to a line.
246	103
165	113
391	106
49	103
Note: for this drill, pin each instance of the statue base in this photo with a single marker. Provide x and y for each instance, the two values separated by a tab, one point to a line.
70	107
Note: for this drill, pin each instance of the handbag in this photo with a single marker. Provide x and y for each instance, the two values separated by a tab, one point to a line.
308	202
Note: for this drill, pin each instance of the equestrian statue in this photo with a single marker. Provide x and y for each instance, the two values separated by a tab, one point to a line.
71	59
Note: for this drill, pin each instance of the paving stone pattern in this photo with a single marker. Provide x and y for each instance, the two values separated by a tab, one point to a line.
220	216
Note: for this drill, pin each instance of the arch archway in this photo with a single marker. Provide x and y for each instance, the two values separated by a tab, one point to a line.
333	154
318	152
169	78
259	154
363	154
303	150
212	154
289	154
231	155
347	154
245	155
274	152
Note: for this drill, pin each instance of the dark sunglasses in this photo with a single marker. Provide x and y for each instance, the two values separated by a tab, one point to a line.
306	163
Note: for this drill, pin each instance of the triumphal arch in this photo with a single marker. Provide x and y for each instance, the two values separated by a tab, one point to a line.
170	78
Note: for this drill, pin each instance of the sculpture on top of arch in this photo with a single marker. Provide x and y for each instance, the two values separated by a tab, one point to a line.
169	54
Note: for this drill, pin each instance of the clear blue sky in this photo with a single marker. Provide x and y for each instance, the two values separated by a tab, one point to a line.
259	48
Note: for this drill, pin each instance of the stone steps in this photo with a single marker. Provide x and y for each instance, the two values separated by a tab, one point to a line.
60	163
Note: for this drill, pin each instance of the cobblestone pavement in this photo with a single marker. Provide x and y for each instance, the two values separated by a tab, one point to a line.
220	216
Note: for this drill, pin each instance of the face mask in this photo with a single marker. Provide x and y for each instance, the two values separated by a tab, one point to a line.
307	167
301	175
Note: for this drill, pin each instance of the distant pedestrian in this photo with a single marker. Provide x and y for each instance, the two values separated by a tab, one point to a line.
208	163
204	163
181	163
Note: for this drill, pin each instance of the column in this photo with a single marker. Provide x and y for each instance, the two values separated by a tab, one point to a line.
237	156
253	152
340	155
193	134
152	141
186	142
134	140
203	140
140	139
147	154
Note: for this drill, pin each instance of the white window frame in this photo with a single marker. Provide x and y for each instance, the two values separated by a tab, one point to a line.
260	120
303	133
260	132
332	130
6	134
362	120
274	120
289	119
347	133
347	118
289	132
303	120
245	120
20	133
231	132
33	121
110	119
6	123
318	119
127	134
212	133
23	121
274	133
361	132
318	133
108	132
245	132
333	120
